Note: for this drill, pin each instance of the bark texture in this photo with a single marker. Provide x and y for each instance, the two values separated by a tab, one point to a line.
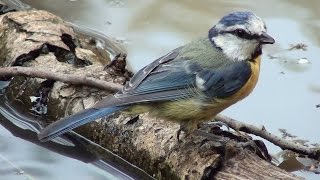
38	39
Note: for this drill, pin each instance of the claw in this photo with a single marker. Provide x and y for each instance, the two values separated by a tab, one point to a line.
210	136
214	124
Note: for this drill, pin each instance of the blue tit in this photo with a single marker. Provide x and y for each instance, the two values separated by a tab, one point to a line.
190	84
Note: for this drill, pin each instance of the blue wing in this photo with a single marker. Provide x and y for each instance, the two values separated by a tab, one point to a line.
225	82
178	80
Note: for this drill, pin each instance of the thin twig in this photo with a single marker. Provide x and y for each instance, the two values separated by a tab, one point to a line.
67	78
262	132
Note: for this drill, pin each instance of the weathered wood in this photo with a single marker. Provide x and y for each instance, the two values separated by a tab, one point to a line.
42	40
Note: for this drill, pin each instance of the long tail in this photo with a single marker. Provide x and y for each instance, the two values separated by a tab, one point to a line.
68	123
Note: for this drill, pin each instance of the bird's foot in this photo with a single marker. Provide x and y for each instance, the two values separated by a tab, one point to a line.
207	130
211	136
214	124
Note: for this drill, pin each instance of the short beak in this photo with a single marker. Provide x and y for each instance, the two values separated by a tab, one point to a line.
266	39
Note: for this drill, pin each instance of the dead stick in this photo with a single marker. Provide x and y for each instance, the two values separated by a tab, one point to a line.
67	78
262	132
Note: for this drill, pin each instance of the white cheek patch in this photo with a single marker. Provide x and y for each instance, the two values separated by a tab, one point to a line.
235	48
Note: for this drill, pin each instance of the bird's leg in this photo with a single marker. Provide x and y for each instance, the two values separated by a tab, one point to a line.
186	127
178	134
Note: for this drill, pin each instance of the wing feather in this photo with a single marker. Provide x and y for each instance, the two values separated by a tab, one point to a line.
163	81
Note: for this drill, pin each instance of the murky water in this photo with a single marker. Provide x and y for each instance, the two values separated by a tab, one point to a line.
22	156
287	92
22	160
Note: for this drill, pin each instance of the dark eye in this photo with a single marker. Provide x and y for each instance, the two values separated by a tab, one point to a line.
240	33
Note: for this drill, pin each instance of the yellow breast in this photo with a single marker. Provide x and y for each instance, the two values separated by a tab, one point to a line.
251	83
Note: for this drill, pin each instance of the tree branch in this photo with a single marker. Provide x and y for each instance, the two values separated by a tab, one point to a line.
66	78
262	132
237	125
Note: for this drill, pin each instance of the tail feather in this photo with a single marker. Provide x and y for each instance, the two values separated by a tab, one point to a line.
68	123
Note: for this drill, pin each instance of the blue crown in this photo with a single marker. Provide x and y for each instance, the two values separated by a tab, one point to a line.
236	18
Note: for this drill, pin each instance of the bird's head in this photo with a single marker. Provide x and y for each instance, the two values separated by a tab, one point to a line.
240	35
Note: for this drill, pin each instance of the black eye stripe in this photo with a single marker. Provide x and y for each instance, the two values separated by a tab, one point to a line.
245	35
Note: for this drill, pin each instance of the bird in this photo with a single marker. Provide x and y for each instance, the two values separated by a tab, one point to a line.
192	83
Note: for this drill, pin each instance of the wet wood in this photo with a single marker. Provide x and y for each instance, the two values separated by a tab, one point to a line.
38	39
